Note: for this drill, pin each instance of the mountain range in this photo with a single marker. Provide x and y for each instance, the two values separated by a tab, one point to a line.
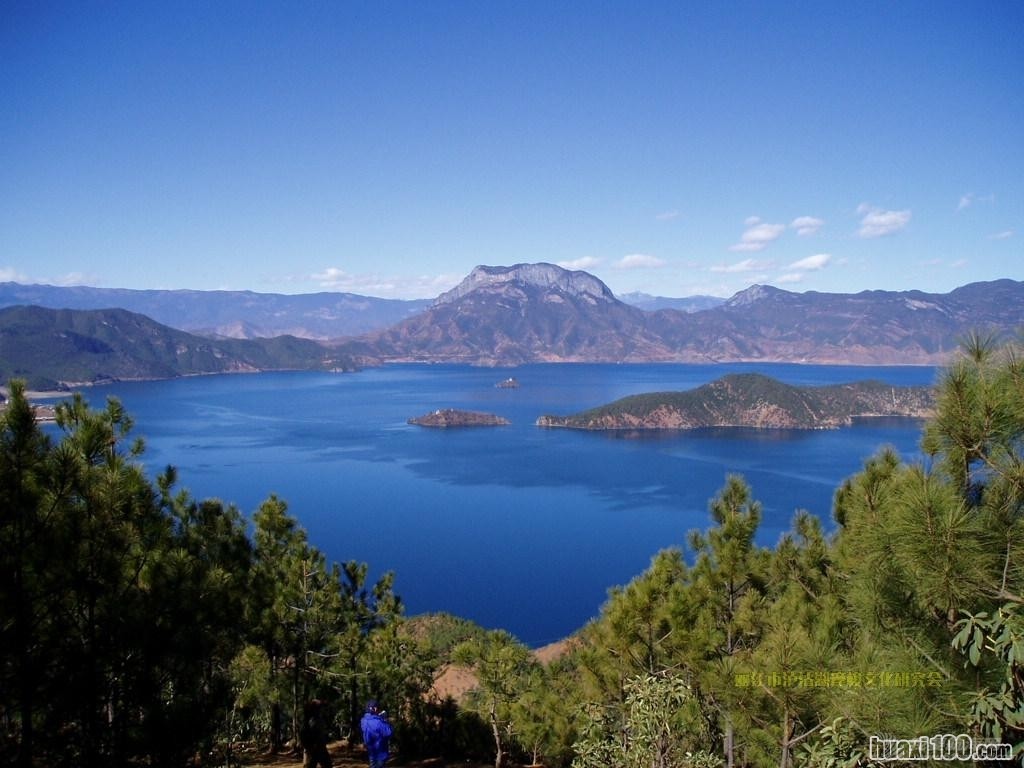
229	314
542	313
496	316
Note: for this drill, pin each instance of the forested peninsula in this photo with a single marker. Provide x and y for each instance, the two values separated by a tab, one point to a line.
753	400
142	626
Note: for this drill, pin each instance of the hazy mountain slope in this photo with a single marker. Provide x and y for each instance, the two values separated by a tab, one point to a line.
753	400
872	327
540	312
235	314
53	348
649	303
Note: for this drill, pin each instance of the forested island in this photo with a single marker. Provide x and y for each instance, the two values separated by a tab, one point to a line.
453	417
143	626
753	400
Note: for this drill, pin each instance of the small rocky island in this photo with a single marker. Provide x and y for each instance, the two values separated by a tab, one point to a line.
451	417
753	400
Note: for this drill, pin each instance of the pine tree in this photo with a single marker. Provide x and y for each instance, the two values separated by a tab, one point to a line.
726	587
26	589
502	665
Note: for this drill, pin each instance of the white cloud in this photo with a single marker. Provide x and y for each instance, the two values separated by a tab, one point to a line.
966	201
792	277
639	261
878	223
751	221
332	276
807	225
1006	234
668	215
76	278
418	286
818	261
586	262
747	265
12	275
758	235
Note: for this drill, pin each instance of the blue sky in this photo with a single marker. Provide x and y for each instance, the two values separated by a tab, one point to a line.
387	148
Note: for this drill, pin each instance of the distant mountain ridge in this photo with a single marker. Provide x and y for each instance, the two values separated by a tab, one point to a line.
753	400
230	314
542	313
649	303
506	316
55	349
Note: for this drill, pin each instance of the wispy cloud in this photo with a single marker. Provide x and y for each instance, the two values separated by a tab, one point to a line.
1006	234
747	265
807	225
757	235
791	277
12	275
878	223
76	278
639	261
668	215
585	262
966	201
419	286
812	263
15	275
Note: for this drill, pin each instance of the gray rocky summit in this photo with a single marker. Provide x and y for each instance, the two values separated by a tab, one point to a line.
546	276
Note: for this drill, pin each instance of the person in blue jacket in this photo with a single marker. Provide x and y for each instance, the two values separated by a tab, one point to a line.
376	734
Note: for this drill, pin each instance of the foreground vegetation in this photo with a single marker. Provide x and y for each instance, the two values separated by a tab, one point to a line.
141	626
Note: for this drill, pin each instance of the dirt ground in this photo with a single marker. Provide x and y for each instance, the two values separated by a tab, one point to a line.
344	757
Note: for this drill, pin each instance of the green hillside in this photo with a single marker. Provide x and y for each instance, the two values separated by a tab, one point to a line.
753	400
53	349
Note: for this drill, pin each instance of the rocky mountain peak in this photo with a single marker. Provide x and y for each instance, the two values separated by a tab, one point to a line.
752	295
545	276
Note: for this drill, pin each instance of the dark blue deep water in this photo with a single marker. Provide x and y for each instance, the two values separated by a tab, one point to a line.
515	527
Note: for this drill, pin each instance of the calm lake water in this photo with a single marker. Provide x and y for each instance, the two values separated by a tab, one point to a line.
514	527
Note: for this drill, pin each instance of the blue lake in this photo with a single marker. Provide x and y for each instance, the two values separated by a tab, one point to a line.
515	527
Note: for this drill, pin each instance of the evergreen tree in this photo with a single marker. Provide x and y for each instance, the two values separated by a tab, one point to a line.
365	609
125	600
502	666
27	589
724	593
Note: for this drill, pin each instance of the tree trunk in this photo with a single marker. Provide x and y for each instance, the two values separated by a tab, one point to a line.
275	728
787	736
499	756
